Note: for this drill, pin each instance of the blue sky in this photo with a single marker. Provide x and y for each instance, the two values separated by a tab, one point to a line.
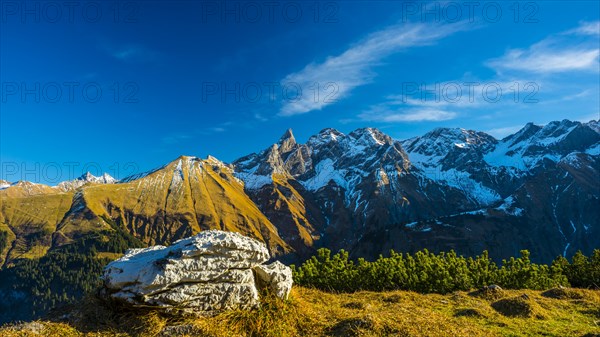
123	87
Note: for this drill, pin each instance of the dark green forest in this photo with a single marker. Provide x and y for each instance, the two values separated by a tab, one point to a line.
29	288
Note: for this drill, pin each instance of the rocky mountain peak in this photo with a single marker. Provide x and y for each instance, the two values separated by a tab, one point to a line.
325	136
210	159
105	178
552	141
85	178
594	125
370	136
287	142
288	135
441	142
4	184
526	132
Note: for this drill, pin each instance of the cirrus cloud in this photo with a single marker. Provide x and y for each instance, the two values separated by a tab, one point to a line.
555	54
354	67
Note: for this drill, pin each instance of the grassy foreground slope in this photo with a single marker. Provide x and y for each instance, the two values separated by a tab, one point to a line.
309	312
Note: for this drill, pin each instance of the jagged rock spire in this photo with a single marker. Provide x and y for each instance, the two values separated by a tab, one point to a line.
287	142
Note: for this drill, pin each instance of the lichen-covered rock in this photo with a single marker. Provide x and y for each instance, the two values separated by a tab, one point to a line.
277	277
203	274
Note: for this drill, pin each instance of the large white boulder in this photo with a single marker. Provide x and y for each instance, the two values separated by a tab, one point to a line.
203	274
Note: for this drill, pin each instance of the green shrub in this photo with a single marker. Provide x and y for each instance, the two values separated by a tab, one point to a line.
426	272
582	272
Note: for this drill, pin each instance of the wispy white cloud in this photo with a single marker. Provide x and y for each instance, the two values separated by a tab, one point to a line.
500	133
175	138
389	114
443	101
180	137
222	127
589	117
354	67
586	28
260	117
578	95
542	58
566	51
555	54
569	97
129	52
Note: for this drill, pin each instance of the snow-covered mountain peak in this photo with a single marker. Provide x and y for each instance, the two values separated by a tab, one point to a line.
85	178
325	136
4	184
211	159
533	144
594	125
433	147
370	136
105	178
526	132
556	130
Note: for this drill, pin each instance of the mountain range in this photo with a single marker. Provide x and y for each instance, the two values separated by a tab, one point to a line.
537	189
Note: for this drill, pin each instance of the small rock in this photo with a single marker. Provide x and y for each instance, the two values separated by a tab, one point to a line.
488	292
354	305
180	330
277	277
34	328
494	287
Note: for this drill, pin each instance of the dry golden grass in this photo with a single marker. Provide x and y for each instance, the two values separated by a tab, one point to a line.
21	216
315	313
209	195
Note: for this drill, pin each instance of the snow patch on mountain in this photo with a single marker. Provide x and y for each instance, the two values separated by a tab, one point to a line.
594	125
177	174
549	135
508	207
594	150
253	181
463	181
324	173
